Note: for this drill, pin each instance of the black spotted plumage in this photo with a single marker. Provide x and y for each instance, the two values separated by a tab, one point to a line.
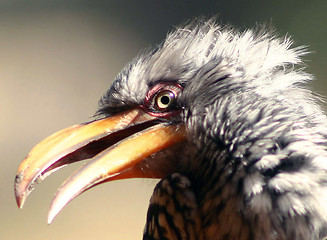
173	200
252	165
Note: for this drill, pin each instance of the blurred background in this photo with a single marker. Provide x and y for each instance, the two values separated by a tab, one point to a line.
58	57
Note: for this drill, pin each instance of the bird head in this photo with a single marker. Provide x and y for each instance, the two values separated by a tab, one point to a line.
208	97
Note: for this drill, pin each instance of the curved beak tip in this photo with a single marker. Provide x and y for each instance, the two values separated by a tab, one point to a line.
51	218
20	201
20	194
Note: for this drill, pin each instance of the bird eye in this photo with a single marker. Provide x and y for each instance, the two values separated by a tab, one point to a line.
161	99
164	99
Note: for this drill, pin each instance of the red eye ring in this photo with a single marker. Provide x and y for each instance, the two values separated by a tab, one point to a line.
160	99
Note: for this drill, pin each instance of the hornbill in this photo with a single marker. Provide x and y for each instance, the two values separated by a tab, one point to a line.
223	118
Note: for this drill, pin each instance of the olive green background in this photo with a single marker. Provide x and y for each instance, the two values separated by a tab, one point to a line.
58	57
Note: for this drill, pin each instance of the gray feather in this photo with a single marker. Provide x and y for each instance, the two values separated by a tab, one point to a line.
257	134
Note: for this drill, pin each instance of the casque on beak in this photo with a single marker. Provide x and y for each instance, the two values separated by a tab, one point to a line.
116	145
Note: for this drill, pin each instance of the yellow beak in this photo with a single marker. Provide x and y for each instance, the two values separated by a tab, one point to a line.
117	146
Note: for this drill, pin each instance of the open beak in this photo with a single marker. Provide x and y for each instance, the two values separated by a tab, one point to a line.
117	146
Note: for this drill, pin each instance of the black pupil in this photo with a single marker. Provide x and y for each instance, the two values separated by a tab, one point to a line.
165	100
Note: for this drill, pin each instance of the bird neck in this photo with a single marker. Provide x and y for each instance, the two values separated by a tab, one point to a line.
242	159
